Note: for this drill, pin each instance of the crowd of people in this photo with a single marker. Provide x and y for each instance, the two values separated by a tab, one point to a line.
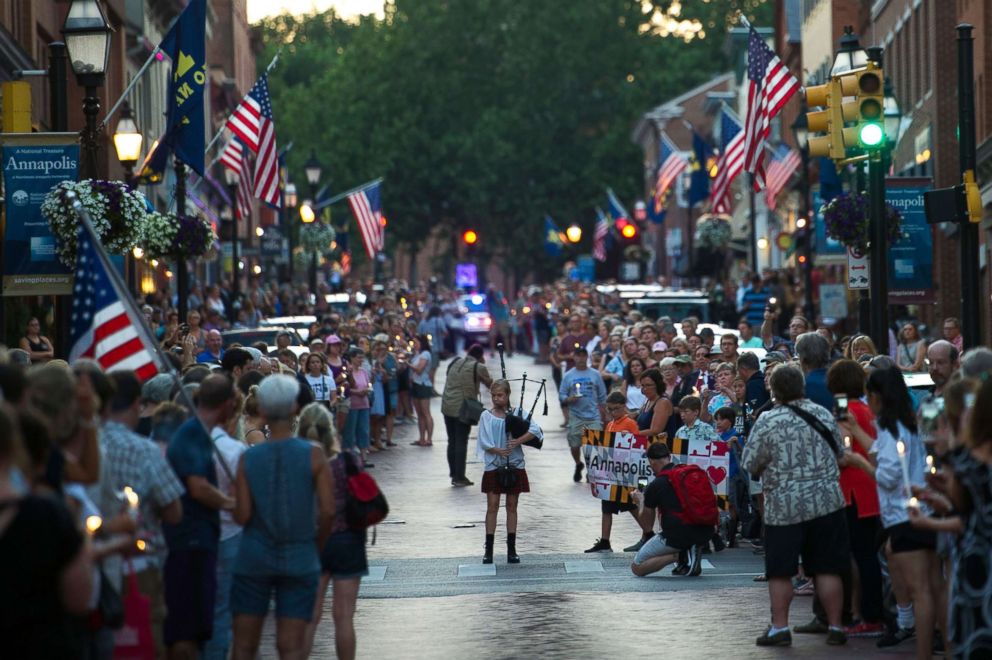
222	487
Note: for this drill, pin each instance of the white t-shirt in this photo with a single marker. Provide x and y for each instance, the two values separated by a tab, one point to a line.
424	377
231	450
322	387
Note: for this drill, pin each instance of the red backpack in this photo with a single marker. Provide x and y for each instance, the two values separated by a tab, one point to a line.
695	494
366	505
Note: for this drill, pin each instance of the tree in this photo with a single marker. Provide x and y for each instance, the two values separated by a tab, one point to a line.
490	113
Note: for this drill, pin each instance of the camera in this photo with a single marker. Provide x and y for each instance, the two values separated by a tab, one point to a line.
184	329
840	407
642	483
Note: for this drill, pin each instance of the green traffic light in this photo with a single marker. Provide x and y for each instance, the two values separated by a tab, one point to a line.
871	135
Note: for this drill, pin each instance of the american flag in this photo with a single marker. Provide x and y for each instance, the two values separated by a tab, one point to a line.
238	159
672	164
785	162
617	211
599	236
103	327
252	122
770	87
730	163
366	205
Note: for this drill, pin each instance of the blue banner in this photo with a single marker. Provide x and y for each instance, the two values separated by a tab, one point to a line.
911	257
33	164
825	245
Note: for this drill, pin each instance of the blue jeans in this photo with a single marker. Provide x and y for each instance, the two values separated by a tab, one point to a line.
356	429
219	645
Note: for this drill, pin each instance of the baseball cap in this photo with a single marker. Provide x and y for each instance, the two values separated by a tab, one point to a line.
381	337
774	357
157	388
683	359
659	346
333	339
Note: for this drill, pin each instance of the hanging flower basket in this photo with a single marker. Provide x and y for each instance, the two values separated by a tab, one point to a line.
713	232
845	218
118	214
317	237
171	237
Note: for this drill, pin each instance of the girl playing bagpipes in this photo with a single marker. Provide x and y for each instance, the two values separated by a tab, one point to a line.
504	460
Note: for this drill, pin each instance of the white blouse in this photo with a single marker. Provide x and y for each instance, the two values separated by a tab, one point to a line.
492	433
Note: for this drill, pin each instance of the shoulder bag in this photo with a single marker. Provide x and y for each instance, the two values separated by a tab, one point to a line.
817	425
471	409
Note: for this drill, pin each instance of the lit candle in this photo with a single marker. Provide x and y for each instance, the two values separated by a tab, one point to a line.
93	524
578	389
132	501
847	442
140	545
930	466
913	503
901	448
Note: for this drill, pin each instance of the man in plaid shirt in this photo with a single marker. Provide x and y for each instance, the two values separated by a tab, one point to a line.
129	459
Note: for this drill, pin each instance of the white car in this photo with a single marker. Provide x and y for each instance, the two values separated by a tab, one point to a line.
299	323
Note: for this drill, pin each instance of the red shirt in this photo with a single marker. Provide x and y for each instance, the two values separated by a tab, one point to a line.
855	483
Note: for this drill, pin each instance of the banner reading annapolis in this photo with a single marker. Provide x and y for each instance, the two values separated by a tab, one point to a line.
614	462
32	164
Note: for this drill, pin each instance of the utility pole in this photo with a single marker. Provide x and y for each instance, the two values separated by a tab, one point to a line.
968	227
879	237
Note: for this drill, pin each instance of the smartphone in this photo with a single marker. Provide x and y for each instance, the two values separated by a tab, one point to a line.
840	407
642	483
184	330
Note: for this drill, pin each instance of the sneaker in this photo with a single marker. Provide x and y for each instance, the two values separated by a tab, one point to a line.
864	629
695	561
783	638
836	637
804	588
718	544
894	637
680	569
637	546
577	476
512	558
462	482
601	545
814	627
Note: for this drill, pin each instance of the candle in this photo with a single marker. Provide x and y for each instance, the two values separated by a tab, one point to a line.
140	545
847	442
578	389
901	448
132	501
93	524
930	466
913	503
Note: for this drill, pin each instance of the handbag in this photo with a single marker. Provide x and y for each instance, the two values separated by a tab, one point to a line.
135	641
110	605
471	409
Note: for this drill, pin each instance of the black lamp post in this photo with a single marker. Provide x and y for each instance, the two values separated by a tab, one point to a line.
289	200
231	178
800	131
851	55
313	170
127	142
87	39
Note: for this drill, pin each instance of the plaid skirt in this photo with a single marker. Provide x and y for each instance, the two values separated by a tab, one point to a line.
490	485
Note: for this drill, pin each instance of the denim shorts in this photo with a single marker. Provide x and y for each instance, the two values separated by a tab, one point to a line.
294	595
344	555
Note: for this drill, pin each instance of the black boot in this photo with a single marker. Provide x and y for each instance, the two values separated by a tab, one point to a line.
511	549
490	541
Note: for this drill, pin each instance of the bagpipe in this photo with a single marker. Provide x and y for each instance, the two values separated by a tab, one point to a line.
518	423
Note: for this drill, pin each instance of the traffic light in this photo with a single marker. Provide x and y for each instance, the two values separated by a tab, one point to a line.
629	231
829	120
469	237
866	86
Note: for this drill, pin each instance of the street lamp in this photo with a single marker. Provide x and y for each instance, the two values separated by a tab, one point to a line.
87	39
289	198
231	178
127	142
851	55
313	170
573	233
800	132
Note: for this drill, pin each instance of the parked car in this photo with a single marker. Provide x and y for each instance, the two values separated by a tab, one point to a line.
248	336
299	323
476	321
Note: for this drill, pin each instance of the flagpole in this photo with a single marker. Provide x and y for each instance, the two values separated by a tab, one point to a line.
339	197
130	86
136	318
